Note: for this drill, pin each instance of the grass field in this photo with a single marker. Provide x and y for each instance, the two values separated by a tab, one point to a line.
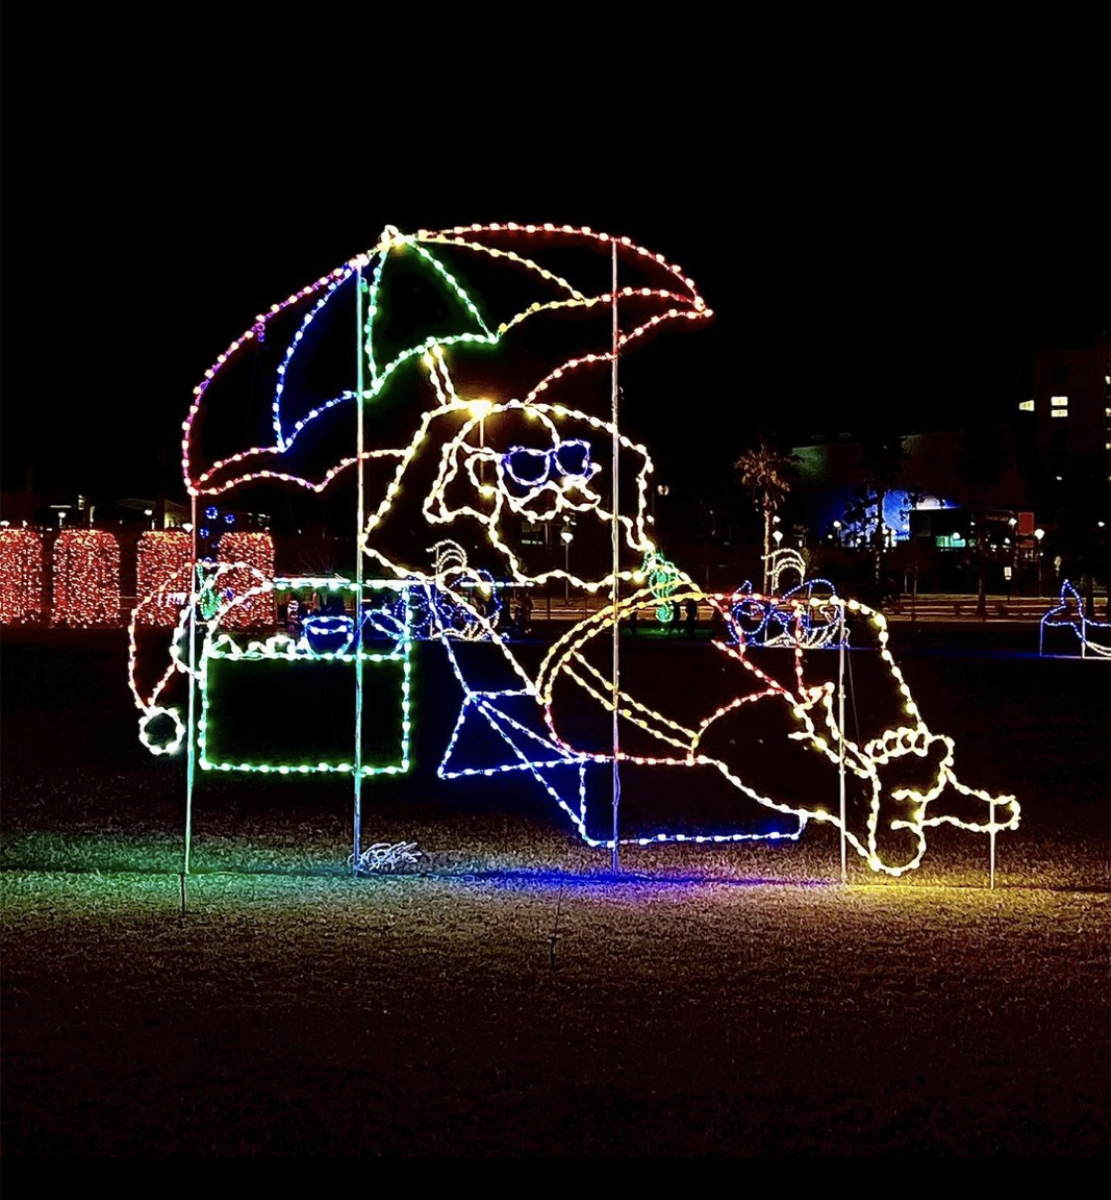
507	996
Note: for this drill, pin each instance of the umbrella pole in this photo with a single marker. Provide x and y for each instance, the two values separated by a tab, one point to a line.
615	536
191	751
842	808
360	508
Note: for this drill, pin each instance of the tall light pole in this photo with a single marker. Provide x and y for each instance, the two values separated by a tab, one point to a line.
567	537
1013	539
1038	535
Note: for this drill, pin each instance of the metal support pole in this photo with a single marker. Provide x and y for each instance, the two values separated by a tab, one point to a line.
360	521
615	542
191	722
841	746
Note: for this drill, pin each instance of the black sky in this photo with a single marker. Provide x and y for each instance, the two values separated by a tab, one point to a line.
879	240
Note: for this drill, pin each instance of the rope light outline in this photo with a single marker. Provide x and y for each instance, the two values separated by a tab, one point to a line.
458	461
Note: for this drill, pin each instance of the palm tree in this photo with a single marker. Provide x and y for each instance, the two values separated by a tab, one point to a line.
881	462
766	476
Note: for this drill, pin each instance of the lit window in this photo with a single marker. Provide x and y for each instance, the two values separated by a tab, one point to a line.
1026	406
1059	401
1059	412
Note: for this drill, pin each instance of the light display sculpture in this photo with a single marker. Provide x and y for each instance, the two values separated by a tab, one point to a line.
381	637
448	477
663	577
378	638
86	578
22	552
780	620
1070	613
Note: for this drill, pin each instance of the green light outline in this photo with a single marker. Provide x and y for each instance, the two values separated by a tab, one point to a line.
224	646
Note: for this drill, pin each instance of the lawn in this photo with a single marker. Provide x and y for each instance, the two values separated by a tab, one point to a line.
506	995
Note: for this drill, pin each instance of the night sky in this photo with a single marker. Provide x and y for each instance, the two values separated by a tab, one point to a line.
890	245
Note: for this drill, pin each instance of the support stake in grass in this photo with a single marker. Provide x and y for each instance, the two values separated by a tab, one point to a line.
555	935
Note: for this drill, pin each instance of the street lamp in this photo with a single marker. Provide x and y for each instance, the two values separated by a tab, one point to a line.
1038	535
661	490
567	538
1012	541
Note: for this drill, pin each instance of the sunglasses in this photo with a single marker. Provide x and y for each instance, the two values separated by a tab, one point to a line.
530	468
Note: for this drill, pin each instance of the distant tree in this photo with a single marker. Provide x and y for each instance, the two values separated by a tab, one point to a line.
881	463
858	517
911	550
766	475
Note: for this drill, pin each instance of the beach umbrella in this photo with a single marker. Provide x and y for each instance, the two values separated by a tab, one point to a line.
474	290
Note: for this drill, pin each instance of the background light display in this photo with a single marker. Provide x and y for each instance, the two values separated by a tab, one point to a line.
162	555
1092	636
86	578
22	553
256	552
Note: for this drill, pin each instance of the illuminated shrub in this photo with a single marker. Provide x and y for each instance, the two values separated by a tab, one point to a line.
254	550
21	562
86	578
161	555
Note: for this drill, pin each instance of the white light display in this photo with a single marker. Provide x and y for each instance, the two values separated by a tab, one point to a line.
1092	636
